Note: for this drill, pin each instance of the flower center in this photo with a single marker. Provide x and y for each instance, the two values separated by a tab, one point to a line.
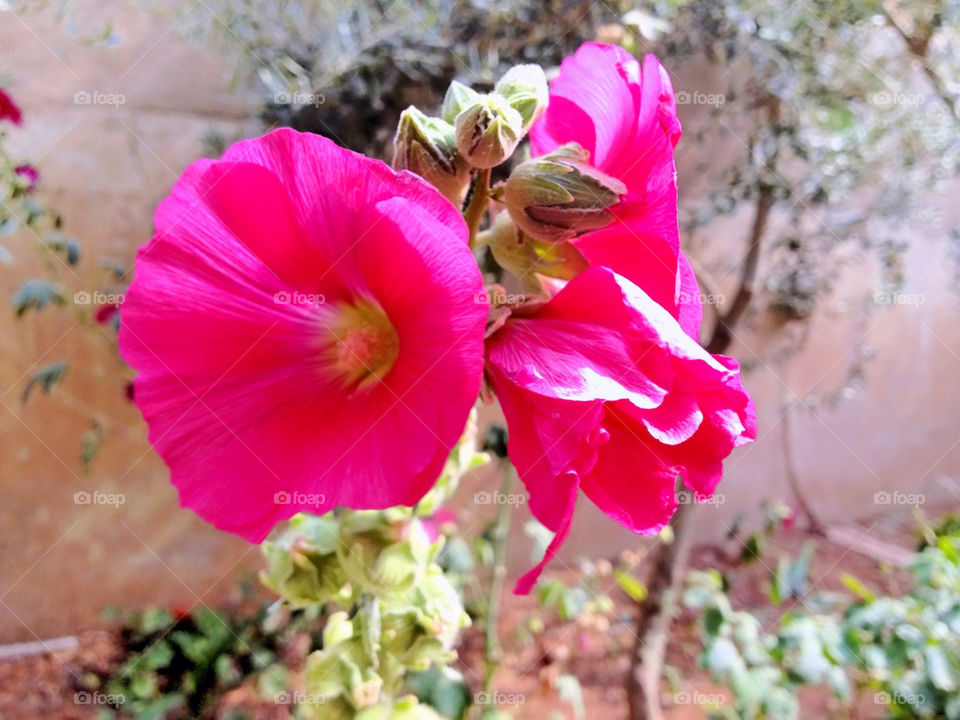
363	343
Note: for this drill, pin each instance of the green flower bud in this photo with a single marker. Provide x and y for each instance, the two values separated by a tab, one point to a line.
488	131
427	146
458	97
343	669
528	258
406	708
559	196
302	565
524	87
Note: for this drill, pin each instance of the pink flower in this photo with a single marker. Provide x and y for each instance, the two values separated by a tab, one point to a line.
30	174
9	110
603	392
624	114
307	333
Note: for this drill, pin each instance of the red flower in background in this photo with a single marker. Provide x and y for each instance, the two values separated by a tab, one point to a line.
9	109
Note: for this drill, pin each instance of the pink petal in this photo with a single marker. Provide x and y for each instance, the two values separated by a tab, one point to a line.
233	377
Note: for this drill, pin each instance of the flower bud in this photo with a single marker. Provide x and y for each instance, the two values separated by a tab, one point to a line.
524	87
427	146
529	259
458	97
559	196
488	131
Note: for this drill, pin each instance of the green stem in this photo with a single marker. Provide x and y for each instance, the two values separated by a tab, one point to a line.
493	652
478	204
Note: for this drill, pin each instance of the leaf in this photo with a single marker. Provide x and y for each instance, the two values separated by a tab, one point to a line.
36	294
69	246
857	588
800	569
752	549
634	589
938	669
46	377
712	621
90	443
444	689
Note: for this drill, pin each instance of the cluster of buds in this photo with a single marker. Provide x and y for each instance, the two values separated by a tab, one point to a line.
394	612
475	131
546	201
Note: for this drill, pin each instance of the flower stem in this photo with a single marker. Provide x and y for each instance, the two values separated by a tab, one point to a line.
493	652
478	203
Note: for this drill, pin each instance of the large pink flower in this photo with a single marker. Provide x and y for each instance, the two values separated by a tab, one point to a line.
8	109
603	392
307	333
624	114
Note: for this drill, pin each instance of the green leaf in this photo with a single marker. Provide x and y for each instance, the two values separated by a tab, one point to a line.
857	588
36	294
712	621
90	443
46	377
752	549
157	656
634	589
